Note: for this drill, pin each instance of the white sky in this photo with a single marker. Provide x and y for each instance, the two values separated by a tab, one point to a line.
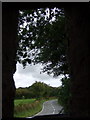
26	77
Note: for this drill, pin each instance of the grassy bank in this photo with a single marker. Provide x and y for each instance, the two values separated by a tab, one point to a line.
23	101
27	107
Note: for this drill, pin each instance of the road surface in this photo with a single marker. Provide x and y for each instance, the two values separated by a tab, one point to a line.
50	107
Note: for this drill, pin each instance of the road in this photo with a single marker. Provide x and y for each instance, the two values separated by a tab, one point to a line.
50	107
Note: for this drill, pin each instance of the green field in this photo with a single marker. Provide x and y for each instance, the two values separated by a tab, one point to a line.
23	101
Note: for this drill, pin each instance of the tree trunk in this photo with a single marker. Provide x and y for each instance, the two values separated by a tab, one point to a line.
9	44
78	30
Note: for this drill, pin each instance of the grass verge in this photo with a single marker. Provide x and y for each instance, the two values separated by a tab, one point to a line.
23	101
26	108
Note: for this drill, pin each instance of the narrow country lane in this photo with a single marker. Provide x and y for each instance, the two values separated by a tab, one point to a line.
50	107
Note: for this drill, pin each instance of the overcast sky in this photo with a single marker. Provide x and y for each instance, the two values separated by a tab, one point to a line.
26	77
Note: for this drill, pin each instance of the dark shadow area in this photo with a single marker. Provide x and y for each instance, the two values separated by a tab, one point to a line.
77	27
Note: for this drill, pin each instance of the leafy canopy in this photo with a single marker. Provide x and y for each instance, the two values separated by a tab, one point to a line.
42	39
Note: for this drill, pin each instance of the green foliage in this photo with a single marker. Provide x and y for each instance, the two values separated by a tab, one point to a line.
64	94
38	90
22	93
43	40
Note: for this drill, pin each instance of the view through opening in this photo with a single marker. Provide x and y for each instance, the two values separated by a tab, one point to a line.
35	92
42	46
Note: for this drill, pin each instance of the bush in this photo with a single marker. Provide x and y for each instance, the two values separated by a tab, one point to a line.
64	94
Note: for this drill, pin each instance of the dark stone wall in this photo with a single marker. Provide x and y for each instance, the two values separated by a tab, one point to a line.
9	44
78	30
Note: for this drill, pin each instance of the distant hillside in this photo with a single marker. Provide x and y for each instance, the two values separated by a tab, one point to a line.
37	90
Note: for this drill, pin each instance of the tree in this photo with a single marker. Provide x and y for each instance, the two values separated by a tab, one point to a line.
36	90
23	93
42	39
